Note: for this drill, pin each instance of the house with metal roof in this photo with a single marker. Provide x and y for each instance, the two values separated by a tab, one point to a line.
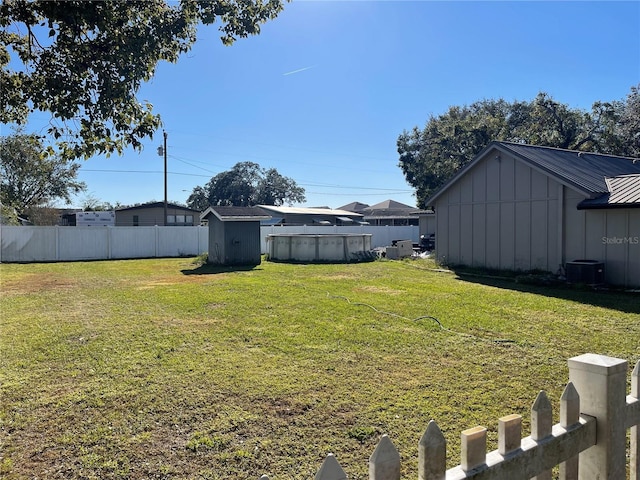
310	216
387	213
524	207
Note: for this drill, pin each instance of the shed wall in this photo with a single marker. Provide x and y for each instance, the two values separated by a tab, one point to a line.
613	237
502	214
234	243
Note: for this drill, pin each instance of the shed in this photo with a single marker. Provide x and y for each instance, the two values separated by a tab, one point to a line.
525	207
234	234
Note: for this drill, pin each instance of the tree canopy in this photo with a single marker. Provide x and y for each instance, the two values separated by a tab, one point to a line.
84	61
429	157
30	178
246	184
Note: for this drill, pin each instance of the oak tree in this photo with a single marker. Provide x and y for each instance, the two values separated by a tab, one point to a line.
246	184
432	155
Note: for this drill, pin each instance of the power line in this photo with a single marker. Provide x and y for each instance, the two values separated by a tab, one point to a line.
144	171
346	187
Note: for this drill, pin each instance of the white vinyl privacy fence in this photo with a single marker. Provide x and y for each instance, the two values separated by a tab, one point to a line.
59	244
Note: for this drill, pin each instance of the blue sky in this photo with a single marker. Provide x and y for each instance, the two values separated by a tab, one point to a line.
324	91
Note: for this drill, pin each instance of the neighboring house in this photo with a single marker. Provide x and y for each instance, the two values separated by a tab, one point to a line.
384	213
523	207
356	207
149	214
310	216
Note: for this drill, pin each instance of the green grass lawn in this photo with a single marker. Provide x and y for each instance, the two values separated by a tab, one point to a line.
163	369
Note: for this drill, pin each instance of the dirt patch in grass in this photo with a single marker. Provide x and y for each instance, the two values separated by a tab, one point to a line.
177	280
36	283
379	289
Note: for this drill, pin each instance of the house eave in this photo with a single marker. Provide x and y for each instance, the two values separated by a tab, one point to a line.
607	206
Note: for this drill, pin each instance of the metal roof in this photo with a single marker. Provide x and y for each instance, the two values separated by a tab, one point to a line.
624	192
237	214
308	211
584	171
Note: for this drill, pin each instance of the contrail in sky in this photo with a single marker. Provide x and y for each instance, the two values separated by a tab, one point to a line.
298	71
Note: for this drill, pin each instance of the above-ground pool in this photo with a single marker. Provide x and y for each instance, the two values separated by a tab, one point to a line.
329	247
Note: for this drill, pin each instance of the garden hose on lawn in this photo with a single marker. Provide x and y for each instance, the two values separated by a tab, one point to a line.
423	317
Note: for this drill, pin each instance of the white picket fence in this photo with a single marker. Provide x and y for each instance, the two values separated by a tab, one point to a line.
57	244
588	443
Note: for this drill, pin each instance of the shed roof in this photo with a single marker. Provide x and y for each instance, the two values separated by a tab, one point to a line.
582	171
236	214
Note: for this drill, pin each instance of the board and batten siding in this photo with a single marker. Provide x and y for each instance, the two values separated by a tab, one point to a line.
611	236
502	214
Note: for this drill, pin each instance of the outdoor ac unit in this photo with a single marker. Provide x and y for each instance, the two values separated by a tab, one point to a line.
589	272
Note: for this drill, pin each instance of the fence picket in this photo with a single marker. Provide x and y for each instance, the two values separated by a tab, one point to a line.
569	415
576	444
474	448
592	400
541	424
432	454
384	463
635	431
509	433
330	470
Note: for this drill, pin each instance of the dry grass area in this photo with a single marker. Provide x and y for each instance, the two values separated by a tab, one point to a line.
162	369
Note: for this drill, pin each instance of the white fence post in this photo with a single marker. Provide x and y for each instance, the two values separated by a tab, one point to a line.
57	230
601	382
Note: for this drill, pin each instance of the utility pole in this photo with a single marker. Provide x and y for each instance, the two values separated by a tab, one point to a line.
164	134
163	151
